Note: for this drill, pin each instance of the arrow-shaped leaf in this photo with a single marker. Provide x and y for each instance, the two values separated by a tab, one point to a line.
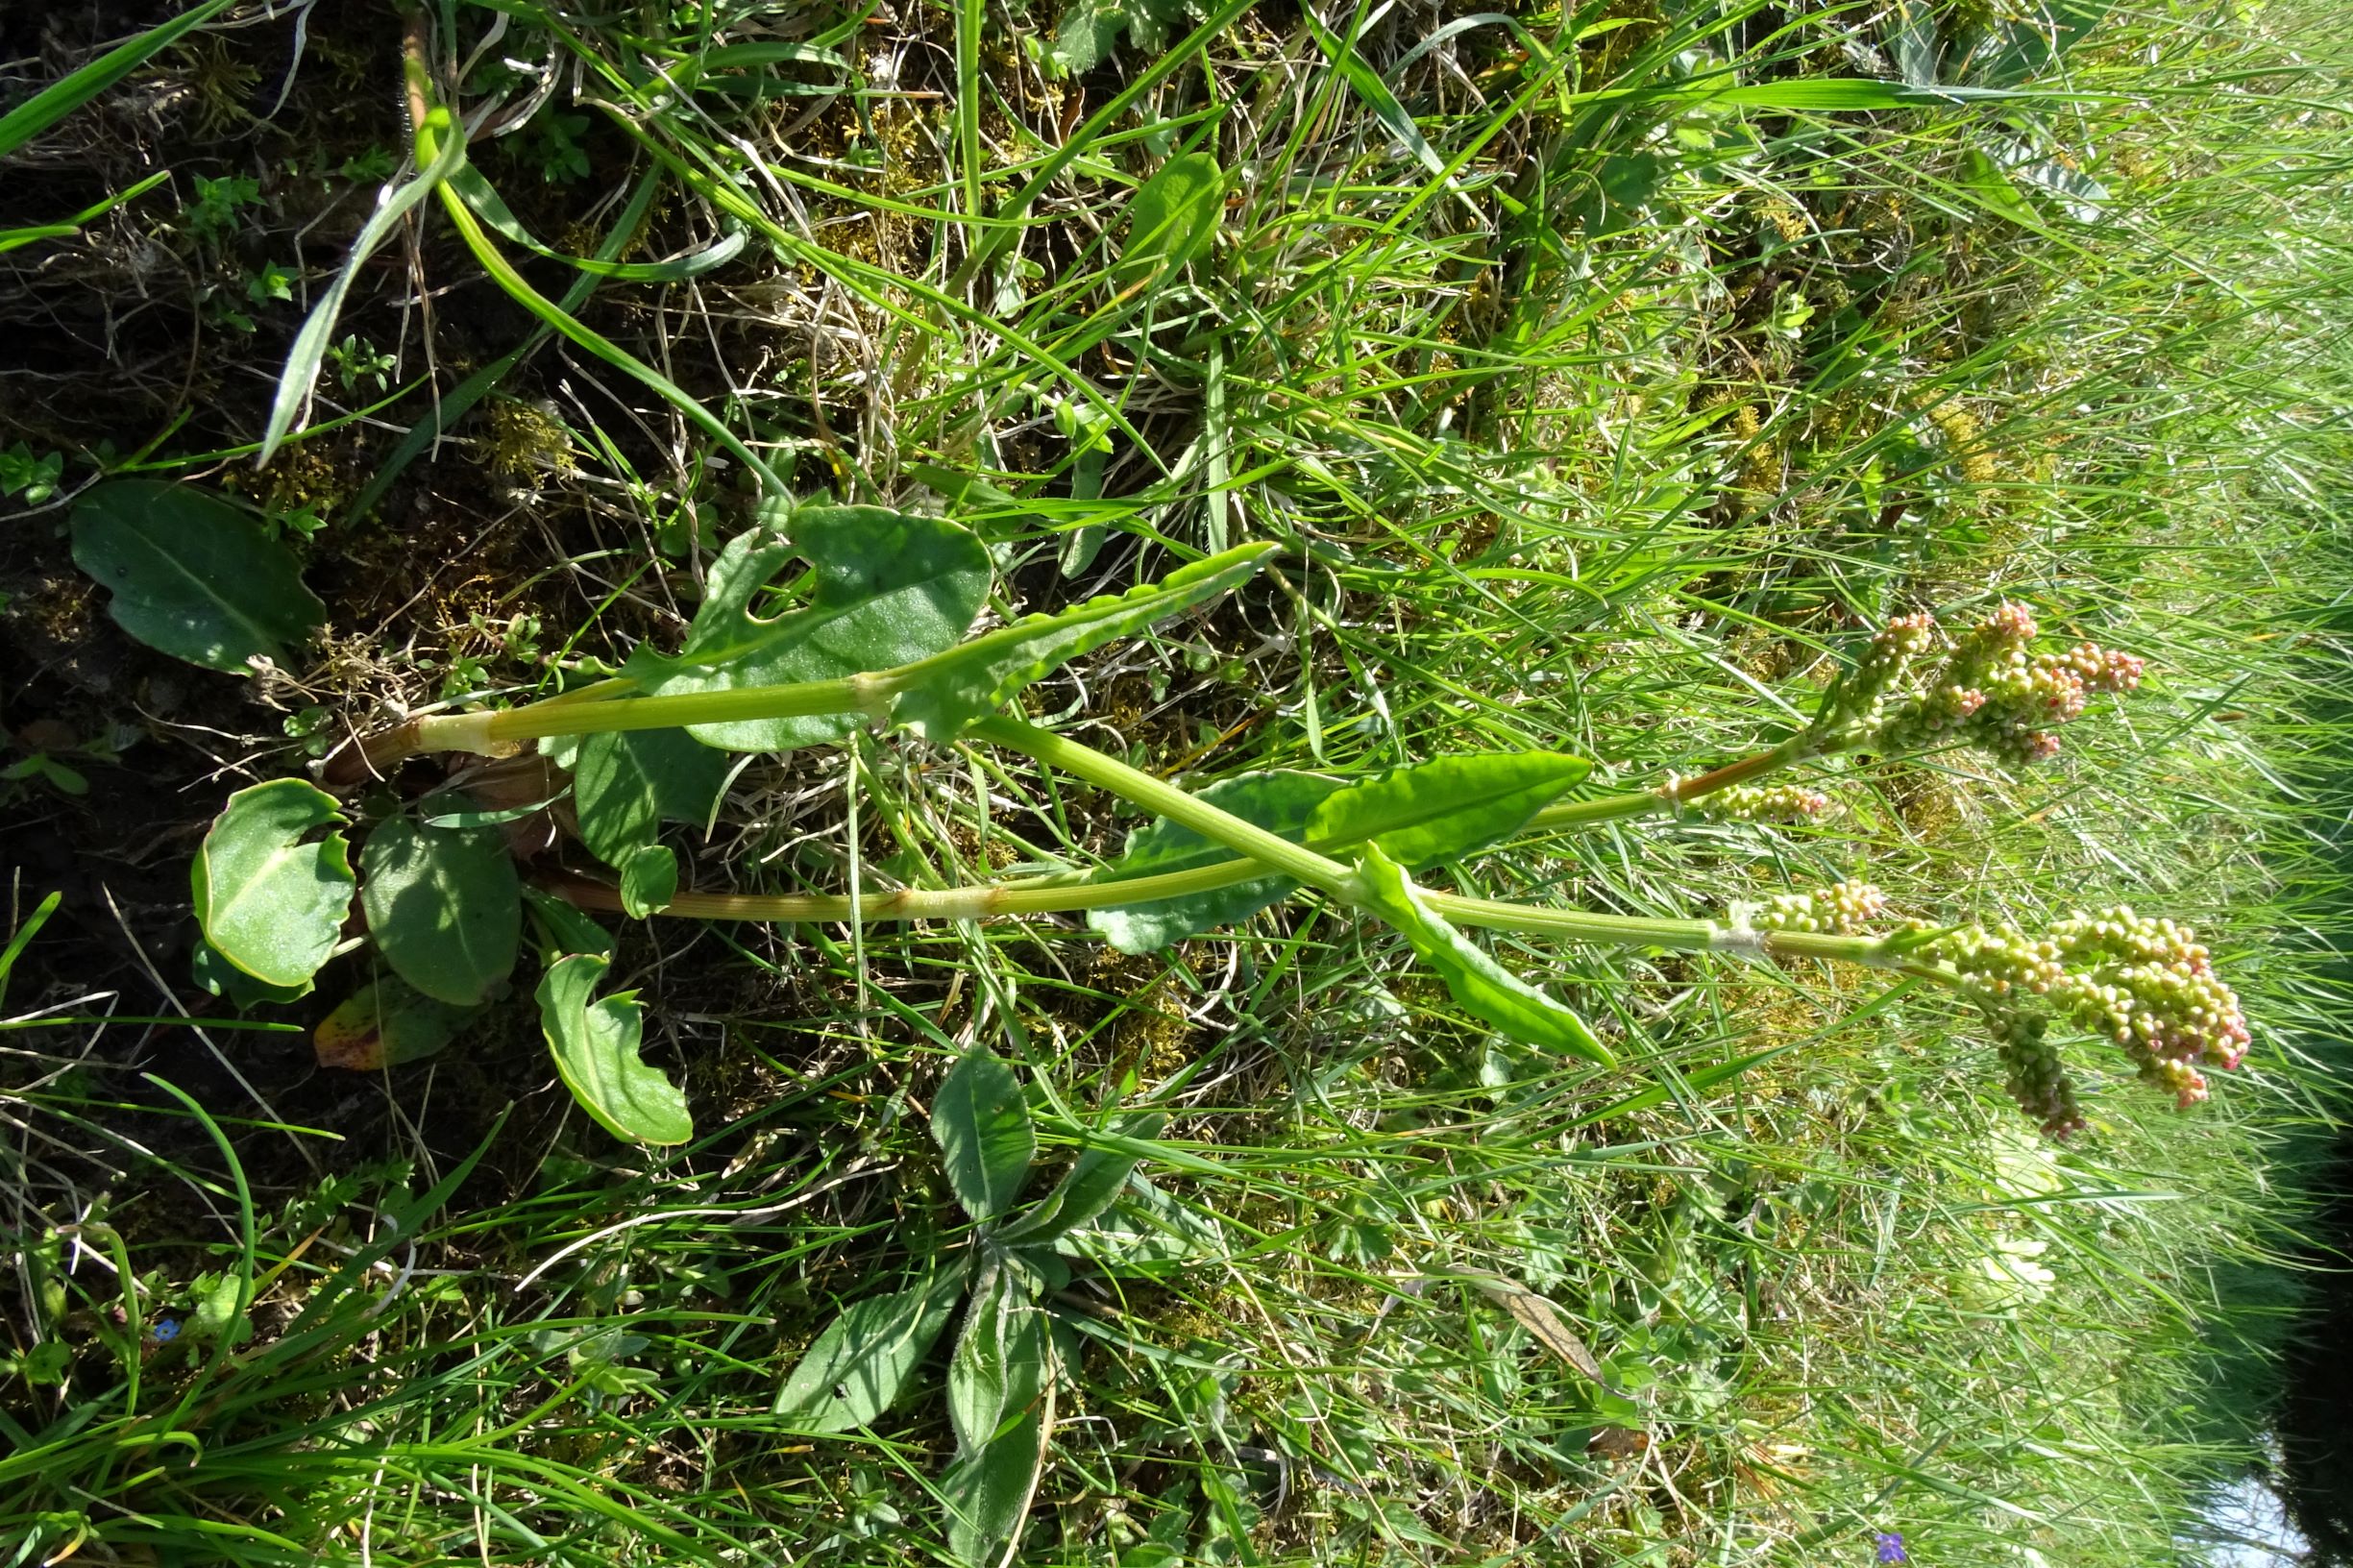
1481	987
1418	814
893	588
941	696
270	903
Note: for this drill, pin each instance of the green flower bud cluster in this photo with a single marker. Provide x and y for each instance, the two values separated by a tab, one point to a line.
2148	985
1763	803
1841	909
1986	691
2034	1073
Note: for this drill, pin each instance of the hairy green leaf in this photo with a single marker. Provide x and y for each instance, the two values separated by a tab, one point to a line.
1091	1187
854	1370
1171	220
989	1486
595	1042
981	1123
444	906
1481	987
976	1369
942	695
192	576
893	588
1419	815
271	904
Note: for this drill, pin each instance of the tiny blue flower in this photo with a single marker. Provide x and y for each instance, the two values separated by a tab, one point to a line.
1891	1547
167	1330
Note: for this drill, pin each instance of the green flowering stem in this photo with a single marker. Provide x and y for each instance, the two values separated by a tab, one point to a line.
1568	816
1269	851
993	900
493	731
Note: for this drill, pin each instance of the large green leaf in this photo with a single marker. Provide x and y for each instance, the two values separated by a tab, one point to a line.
444	906
982	1125
855	1369
938	697
595	1042
989	1486
270	903
627	783
1280	802
1481	987
191	574
1171	220
892	588
1418	814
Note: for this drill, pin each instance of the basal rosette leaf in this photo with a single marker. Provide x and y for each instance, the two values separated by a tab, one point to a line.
385	1023
1091	1187
444	906
1171	220
981	1123
271	900
627	783
988	1488
595	1042
192	576
854	1370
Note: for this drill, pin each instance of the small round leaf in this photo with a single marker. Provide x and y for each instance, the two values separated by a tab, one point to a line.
444	906
270	903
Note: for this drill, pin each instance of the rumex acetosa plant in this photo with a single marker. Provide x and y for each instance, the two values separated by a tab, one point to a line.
879	640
